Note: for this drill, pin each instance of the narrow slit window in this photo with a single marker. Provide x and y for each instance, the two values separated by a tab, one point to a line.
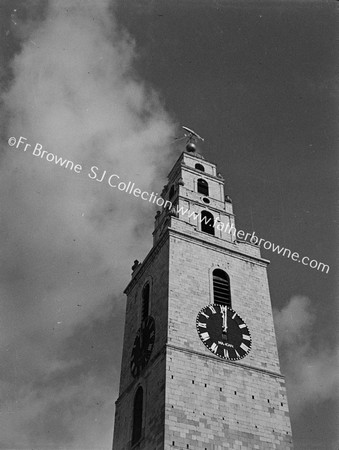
145	301
171	192
207	222
137	415
203	187
221	288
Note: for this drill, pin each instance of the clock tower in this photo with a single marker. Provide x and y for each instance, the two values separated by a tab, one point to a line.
200	367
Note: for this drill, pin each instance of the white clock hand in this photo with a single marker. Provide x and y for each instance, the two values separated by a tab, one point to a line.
224	316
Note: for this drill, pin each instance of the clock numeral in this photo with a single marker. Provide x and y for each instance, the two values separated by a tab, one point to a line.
229	327
214	347
205	336
244	347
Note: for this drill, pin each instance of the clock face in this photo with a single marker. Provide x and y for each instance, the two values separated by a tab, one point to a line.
143	346
223	332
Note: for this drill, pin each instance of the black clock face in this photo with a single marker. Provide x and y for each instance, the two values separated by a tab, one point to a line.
223	332
143	346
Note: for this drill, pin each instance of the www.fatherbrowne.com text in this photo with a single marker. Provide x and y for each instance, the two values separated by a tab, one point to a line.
253	239
112	180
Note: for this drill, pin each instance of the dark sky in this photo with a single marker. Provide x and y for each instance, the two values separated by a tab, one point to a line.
111	84
258	80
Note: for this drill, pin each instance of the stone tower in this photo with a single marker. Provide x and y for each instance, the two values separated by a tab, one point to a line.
200	367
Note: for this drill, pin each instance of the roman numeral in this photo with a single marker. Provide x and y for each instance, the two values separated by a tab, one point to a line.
207	317
202	325
237	353
242	325
234	315
226	353
205	336
246	337
244	347
214	347
212	309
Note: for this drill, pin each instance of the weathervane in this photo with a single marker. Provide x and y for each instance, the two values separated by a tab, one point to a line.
192	137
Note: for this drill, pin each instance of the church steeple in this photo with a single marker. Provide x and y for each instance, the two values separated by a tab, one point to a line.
195	195
200	367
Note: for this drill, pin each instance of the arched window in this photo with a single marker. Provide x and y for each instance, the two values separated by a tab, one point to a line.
203	187
137	415
171	192
145	301
207	222
200	167
221	288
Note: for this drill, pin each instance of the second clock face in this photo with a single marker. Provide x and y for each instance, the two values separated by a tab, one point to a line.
143	346
223	332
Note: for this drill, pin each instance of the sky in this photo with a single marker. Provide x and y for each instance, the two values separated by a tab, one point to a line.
108	84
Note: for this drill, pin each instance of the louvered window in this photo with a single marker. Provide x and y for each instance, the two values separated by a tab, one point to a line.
203	187
221	288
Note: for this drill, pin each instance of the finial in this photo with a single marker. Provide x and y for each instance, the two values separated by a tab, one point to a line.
192	137
135	265
191	147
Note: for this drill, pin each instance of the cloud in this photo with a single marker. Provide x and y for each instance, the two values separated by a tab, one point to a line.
69	241
77	416
309	363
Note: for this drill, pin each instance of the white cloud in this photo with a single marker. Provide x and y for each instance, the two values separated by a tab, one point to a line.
310	364
68	241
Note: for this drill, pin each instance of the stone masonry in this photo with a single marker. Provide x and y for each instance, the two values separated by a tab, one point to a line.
192	398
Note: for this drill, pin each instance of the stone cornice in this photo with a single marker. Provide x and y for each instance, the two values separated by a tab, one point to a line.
216	246
232	363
